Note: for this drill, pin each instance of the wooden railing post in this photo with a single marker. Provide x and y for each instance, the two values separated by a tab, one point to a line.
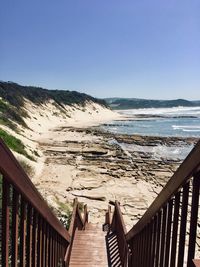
85	218
77	222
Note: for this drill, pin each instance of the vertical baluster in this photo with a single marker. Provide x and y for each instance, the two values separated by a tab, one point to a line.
147	244
5	222
143	247
163	236
169	226
63	251
34	239
148	249
132	246
183	225
23	233
135	250
138	252
50	247
151	241
39	242
193	219
58	239
64	247
47	244
59	246
53	248
145	256
57	250
175	230
15	228
44	244
29	235
60	253
154	240
134	254
157	256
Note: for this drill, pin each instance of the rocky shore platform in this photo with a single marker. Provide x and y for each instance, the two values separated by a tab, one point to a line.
99	167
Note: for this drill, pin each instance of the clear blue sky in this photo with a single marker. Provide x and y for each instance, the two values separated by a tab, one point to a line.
127	48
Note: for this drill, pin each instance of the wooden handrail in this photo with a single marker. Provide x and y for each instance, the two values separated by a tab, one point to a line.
77	222
118	214
189	167
72	222
118	227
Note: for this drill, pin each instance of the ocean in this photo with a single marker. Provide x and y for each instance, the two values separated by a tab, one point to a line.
177	121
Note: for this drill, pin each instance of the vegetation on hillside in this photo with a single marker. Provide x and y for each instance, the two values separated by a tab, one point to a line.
134	103
12	97
14	94
10	115
14	143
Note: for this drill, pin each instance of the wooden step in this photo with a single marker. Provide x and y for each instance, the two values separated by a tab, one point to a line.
89	247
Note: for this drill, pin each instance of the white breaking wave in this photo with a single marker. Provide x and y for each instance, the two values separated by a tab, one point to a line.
160	151
185	127
186	130
175	111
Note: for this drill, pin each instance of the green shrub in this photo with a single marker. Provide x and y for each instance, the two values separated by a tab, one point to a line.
64	212
14	143
9	113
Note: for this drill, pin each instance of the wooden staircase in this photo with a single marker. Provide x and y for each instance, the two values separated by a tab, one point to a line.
166	235
89	247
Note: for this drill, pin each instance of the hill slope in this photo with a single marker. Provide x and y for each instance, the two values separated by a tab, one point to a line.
13	96
134	103
27	112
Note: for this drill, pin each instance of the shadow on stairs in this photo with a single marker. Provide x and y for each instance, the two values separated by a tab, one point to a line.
113	250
